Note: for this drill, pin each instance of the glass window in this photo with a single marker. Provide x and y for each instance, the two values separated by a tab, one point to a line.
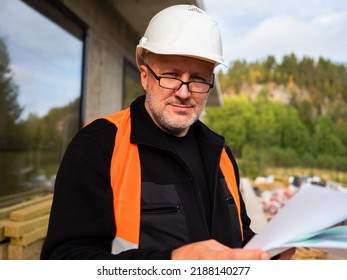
132	84
40	91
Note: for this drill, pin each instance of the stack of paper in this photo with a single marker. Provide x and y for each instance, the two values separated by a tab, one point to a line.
309	219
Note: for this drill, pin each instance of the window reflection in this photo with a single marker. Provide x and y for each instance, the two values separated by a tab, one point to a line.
40	88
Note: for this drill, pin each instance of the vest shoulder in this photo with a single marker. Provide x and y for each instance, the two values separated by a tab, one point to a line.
100	127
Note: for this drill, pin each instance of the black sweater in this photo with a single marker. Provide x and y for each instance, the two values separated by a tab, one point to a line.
82	220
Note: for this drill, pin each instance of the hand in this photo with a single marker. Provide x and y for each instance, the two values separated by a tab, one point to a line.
213	250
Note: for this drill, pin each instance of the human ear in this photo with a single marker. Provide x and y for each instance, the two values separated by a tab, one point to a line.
144	76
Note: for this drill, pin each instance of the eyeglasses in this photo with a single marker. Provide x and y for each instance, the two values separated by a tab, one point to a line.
175	84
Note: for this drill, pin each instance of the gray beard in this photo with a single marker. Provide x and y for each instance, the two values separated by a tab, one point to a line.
168	124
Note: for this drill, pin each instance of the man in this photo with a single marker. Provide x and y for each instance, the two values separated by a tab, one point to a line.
152	181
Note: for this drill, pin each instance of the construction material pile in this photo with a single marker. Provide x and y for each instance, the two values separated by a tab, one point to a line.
23	227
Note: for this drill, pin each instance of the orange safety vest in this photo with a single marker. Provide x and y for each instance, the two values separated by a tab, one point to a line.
125	174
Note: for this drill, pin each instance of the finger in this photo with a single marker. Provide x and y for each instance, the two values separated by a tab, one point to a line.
243	254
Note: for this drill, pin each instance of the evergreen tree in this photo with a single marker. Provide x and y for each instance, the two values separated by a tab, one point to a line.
10	112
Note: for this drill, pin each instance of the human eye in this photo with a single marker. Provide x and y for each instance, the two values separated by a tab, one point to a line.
198	79
169	74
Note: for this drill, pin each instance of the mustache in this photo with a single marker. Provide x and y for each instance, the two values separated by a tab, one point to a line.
176	101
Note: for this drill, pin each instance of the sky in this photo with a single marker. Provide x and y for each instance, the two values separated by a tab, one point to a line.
45	60
254	29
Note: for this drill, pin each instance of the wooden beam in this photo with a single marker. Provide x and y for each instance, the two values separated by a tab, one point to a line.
2	229
31	252
31	237
6	211
17	229
4	251
32	211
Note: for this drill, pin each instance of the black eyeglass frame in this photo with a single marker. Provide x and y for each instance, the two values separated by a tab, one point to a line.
158	78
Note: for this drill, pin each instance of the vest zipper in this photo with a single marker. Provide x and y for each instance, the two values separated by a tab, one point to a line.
161	209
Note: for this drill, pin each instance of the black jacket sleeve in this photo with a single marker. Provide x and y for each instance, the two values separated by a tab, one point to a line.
82	222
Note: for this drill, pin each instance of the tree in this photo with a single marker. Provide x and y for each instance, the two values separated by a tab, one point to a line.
295	134
10	112
325	137
235	121
287	69
266	132
269	67
238	74
306	72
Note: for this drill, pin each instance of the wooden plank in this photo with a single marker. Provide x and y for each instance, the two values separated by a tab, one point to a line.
4	251
31	252
2	229
17	229
31	237
32	211
6	211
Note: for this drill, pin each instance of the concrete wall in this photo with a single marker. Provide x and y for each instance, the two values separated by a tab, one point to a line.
109	40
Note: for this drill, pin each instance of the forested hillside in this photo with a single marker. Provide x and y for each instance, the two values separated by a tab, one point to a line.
288	113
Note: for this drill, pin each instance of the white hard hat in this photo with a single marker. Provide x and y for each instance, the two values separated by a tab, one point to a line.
182	30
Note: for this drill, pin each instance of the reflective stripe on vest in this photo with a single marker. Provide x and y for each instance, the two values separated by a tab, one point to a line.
125	174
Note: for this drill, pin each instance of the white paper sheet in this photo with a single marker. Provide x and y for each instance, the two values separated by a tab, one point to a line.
310	210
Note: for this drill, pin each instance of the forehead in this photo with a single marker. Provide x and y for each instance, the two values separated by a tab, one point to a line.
182	63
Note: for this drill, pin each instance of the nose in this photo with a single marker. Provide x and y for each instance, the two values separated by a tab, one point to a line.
183	92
